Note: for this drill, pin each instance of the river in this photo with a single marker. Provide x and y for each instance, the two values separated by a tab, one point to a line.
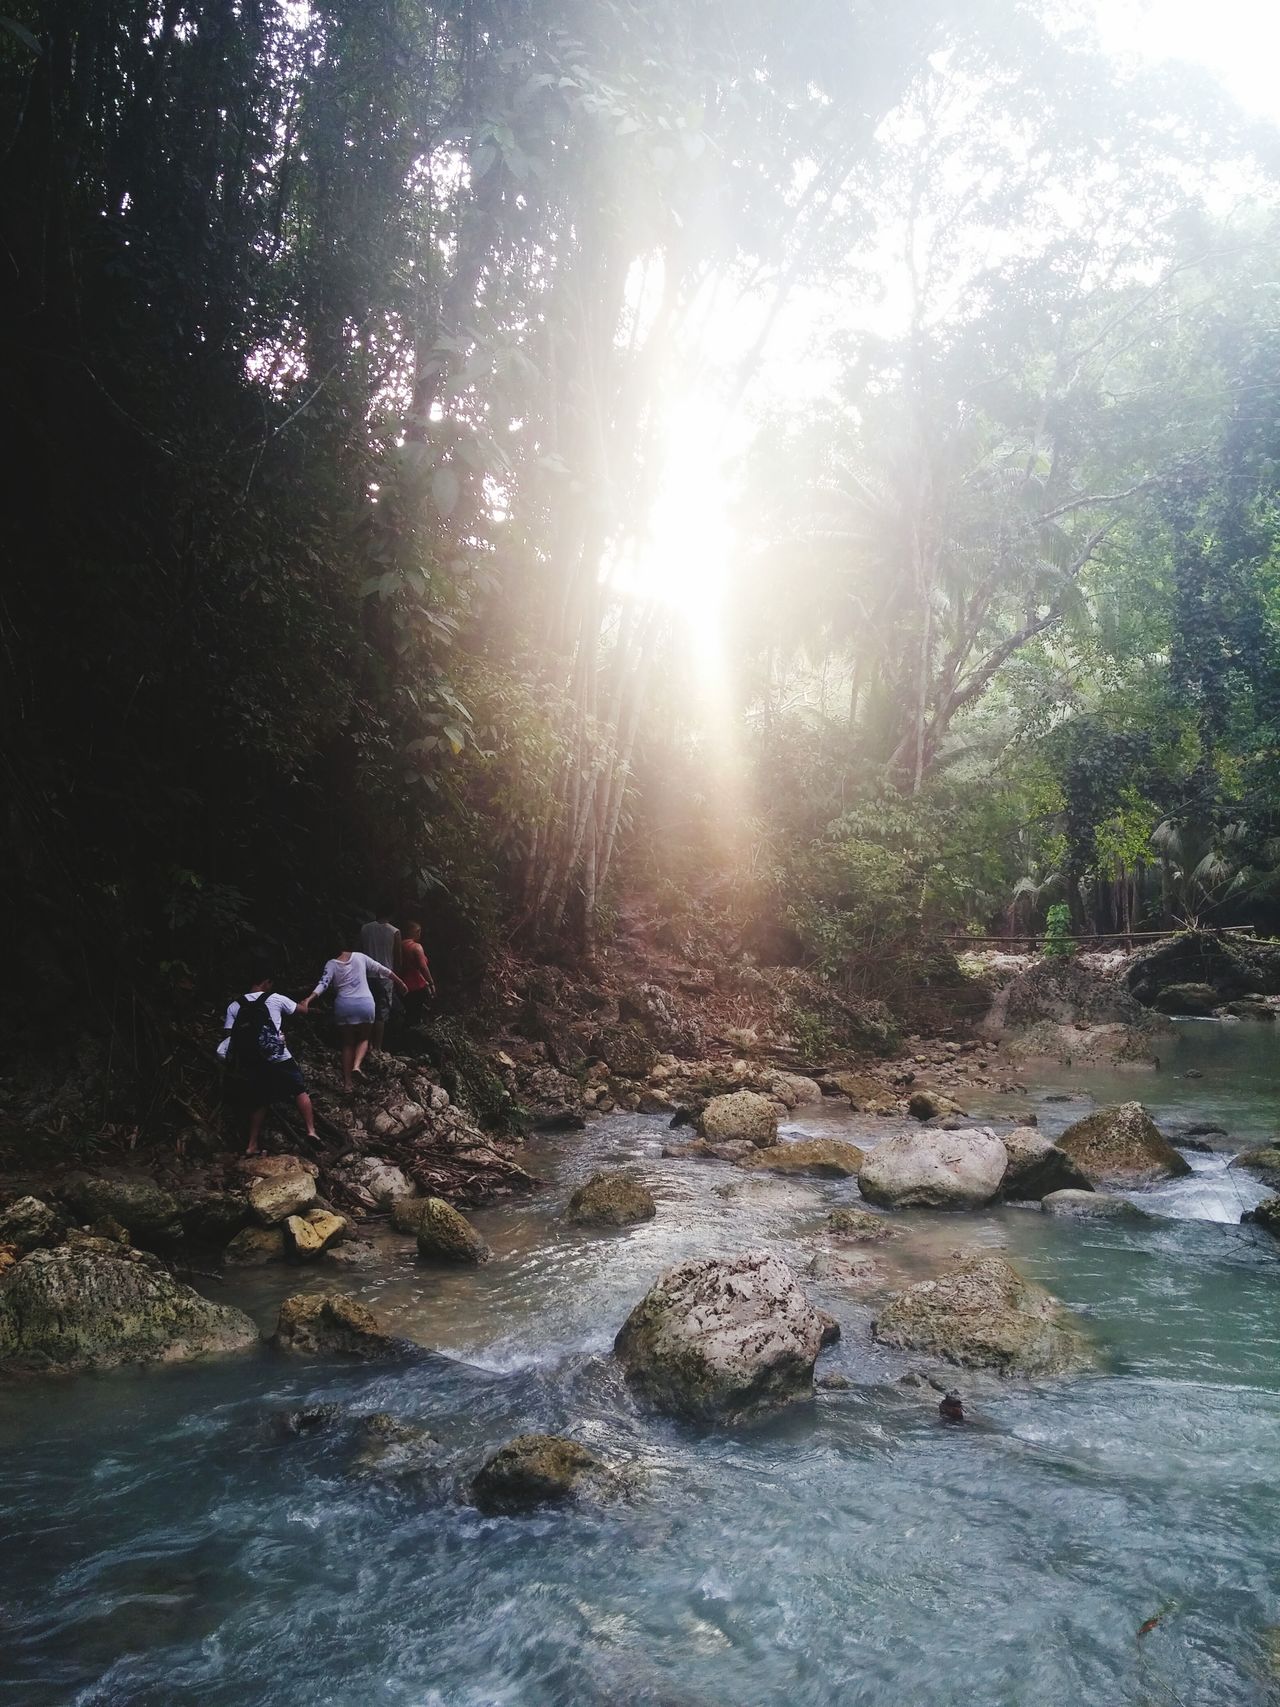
162	1547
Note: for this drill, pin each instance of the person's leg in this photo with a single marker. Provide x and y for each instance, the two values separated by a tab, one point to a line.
376	1032
361	1034
349	1035
256	1118
307	1112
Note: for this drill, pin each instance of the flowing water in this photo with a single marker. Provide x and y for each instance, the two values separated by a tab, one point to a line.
161	1546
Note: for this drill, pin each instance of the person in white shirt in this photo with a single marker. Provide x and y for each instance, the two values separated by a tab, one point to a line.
254	1048
380	941
348	975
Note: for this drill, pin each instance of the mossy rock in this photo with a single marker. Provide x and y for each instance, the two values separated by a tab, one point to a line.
1265	1215
611	1199
1263	1163
743	1115
92	1304
327	1324
854	1223
984	1315
1121	1145
827	1158
151	1213
29	1223
544	1469
446	1236
1195	1000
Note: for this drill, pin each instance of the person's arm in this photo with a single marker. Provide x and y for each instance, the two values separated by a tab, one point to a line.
386	972
326	978
426	971
227	1024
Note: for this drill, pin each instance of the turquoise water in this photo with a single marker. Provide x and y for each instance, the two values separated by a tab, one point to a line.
162	1546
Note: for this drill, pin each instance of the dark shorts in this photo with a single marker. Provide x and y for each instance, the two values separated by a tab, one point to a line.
273	1081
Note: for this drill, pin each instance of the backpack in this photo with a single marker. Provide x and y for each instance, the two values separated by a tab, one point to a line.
255	1036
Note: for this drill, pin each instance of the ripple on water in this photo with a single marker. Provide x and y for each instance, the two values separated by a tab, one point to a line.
164	1548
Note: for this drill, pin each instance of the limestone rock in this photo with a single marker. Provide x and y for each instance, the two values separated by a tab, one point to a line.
1263	1163
307	1236
611	1199
1036	1167
984	1315
1266	1214
351	1253
543	1469
215	1217
864	1093
276	1197
552	1099
719	1338
1121	1145
626	1049
253	1246
149	1212
446	1236
93	1304
932	1105
740	1115
317	1323
829	1158
1092	1206
28	1223
934	1170
377	1183
390	1447
854	1223
795	1090
1196	1000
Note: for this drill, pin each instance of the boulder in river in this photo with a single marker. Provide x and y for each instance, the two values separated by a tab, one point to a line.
150	1213
1092	1206
795	1090
1263	1164
854	1223
1265	1214
446	1236
274	1197
92	1304
628	1053
720	1338
388	1447
215	1217
828	1158
984	1315
1197	1001
308	1236
253	1246
28	1223
1121	1145
932	1105
934	1170
740	1115
543	1469
373	1181
321	1324
1036	1167
611	1199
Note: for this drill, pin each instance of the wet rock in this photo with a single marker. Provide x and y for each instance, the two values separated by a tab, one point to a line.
289	1425
277	1196
253	1246
1249	1007
1196	1000
373	1181
934	1170
731	1150
150	1213
326	1324
389	1447
1121	1145
611	1199
742	1115
834	1382
1092	1206
29	1223
719	1338
794	1090
984	1315
552	1100
840	1268
351	1253
828	1158
1263	1163
1265	1214
1036	1167
92	1304
307	1237
544	1469
932	1105
866	1094
854	1223
215	1217
446	1236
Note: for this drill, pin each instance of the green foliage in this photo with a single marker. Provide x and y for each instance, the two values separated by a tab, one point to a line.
1057	932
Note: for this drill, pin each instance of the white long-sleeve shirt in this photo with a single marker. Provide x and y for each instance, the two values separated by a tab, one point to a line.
351	977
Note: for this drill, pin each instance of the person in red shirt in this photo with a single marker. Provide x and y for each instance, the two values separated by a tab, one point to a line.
418	982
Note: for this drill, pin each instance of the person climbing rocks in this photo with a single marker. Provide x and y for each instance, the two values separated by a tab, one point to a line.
262	1069
349	974
380	942
951	1407
418	982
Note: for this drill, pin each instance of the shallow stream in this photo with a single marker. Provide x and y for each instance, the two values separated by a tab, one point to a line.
162	1547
